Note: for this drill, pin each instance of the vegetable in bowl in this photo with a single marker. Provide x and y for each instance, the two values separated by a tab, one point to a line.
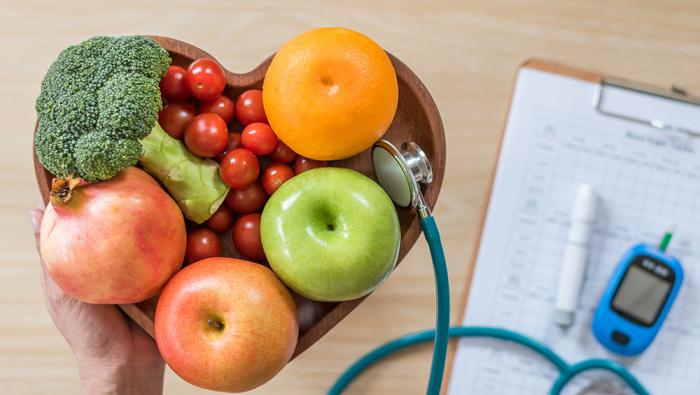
98	115
97	100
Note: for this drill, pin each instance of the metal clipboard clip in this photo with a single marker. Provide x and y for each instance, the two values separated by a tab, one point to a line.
675	93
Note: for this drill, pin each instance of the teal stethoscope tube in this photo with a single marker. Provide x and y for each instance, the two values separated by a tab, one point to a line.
443	332
442	288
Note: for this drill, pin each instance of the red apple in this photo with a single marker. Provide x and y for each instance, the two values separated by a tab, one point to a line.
226	324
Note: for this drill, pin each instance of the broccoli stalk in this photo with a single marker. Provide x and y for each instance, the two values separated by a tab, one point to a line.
194	183
98	114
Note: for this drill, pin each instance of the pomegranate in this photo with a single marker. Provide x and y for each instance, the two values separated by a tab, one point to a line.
117	241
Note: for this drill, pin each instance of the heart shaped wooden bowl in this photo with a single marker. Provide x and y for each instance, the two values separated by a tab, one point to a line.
417	119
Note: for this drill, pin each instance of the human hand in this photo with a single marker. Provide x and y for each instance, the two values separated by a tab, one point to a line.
114	355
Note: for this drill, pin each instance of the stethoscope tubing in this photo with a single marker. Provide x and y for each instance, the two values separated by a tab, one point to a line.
566	371
442	290
443	332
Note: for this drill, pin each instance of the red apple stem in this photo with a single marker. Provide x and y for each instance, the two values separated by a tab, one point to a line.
215	324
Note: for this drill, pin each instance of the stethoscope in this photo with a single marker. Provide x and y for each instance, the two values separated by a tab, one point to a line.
400	173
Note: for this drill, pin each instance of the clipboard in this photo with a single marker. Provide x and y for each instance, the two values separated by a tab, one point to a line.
604	82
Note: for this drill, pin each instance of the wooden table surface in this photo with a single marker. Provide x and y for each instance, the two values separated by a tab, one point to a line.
466	54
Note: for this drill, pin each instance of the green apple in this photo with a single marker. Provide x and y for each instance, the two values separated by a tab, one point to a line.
331	234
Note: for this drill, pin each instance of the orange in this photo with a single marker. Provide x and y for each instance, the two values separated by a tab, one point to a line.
330	93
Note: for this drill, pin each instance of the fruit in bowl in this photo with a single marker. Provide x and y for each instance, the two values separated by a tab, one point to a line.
115	241
226	324
330	93
331	234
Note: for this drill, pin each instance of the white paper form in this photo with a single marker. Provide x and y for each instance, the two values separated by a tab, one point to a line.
647	180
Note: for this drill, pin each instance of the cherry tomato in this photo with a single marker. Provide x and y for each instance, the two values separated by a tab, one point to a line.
202	243
206	79
175	117
222	106
247	200
249	107
174	86
259	138
239	168
207	135
234	141
302	164
275	175
246	237
283	153
221	220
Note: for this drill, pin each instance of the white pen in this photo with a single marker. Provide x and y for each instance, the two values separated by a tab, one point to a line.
575	255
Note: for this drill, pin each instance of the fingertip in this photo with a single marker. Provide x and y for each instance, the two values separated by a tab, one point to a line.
35	219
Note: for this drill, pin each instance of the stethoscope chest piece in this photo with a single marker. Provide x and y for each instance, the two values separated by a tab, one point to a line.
399	172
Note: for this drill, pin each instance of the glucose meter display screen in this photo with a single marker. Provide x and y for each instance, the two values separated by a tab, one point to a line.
641	295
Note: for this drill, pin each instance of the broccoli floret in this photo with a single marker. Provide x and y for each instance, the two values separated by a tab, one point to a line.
121	102
68	91
97	100
136	54
59	145
99	154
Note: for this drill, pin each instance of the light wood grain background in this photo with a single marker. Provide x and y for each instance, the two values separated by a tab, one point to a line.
465	52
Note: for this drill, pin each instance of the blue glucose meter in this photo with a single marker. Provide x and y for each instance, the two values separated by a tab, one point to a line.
638	298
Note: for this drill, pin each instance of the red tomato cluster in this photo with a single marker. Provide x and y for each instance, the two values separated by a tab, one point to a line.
253	162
